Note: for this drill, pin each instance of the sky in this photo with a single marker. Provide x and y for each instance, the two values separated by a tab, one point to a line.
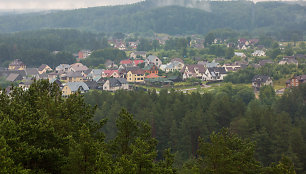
60	4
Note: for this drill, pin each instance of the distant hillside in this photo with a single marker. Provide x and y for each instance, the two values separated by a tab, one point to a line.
162	18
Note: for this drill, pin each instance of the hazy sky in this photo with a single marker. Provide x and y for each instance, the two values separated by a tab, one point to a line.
58	4
61	4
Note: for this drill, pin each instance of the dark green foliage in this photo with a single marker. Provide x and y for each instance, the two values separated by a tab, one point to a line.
36	47
41	132
100	56
227	153
149	17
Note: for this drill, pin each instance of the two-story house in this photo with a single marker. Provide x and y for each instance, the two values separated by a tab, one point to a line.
136	76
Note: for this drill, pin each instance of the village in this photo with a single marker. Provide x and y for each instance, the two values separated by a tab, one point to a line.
144	70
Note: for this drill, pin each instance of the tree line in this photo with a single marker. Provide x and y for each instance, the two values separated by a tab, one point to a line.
38	47
178	120
170	132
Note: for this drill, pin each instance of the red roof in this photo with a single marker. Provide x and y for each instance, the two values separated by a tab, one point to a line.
109	73
125	62
136	62
151	76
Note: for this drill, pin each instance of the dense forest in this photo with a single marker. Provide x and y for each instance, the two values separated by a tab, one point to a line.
170	132
277	18
276	124
37	47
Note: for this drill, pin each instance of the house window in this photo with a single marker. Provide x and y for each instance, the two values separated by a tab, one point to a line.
138	78
141	78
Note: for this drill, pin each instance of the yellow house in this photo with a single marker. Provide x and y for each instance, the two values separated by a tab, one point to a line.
72	77
136	76
17	65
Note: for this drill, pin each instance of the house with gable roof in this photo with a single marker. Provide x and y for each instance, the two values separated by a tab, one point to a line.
44	69
259	81
17	65
193	71
153	60
73	87
114	84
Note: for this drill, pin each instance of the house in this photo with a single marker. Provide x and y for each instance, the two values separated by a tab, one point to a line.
259	53
114	84
44	69
136	76
151	69
296	81
83	54
126	62
133	45
72	77
32	72
17	65
78	67
231	67
110	73
13	77
94	73
73	87
138	55
153	60
174	66
62	68
56	81
193	71
214	74
261	80
53	75
120	46
25	85
110	64
288	61
124	70
129	62
93	85
238	54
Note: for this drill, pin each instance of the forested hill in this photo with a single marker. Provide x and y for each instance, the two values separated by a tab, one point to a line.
150	17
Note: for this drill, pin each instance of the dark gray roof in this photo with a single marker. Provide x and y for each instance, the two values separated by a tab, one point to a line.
220	70
114	82
42	67
31	71
6	73
92	84
260	78
75	86
13	77
74	74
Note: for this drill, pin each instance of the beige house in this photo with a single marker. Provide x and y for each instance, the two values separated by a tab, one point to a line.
72	77
73	87
115	84
136	76
44	69
138	54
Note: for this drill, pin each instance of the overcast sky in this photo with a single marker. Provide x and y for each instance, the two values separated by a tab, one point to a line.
60	4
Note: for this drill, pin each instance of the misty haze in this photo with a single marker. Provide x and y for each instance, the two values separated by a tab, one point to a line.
152	87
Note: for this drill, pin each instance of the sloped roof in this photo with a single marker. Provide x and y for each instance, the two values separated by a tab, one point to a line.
138	71
152	58
31	71
151	76
79	67
42	67
74	74
74	86
114	82
12	77
260	78
128	61
177	60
